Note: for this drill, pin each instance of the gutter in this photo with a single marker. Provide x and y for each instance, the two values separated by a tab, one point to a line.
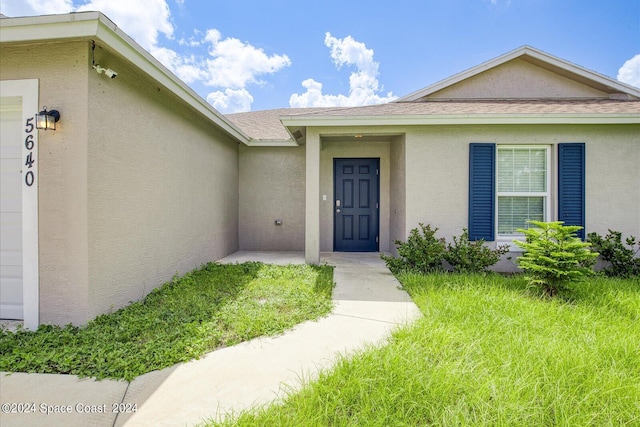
96	26
272	143
460	119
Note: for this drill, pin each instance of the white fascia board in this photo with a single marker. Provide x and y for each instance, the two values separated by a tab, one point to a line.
479	119
463	75
95	25
272	143
529	51
124	45
581	71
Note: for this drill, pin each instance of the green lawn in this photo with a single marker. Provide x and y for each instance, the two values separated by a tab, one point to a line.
489	352
209	308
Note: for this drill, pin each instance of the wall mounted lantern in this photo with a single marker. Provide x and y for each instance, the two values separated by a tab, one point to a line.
47	119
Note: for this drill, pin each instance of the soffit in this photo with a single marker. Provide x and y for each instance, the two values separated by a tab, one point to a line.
540	59
96	26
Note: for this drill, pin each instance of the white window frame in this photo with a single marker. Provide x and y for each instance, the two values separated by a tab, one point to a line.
508	238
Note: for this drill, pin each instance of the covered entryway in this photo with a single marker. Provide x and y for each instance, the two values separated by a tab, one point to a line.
327	230
356	205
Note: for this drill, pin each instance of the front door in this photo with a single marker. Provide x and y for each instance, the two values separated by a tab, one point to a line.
356	205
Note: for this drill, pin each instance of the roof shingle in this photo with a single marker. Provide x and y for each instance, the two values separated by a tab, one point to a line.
266	124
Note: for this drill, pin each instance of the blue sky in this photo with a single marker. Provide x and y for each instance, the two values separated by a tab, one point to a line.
245	55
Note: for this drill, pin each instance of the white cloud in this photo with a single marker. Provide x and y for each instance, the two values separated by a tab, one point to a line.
629	73
187	67
231	100
143	20
363	83
14	8
235	64
225	64
494	2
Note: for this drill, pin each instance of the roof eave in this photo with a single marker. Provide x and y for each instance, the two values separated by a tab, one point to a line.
272	143
95	25
519	52
463	119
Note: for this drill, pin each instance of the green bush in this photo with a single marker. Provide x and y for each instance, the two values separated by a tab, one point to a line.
623	260
422	252
554	255
466	256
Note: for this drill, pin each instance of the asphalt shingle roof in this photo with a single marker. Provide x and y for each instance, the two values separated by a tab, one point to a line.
266	124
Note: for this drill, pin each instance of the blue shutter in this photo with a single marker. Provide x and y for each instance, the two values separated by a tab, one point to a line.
571	184
482	194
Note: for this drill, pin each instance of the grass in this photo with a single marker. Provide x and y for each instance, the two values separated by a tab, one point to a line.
490	351
209	308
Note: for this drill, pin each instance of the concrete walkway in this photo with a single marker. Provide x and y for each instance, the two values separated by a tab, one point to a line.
369	305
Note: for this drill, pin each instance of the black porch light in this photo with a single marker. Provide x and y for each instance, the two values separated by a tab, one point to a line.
47	119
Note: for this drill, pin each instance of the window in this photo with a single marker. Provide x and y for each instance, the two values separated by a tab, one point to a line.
522	186
509	185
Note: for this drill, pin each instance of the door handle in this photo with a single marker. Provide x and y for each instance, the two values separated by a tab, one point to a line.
337	210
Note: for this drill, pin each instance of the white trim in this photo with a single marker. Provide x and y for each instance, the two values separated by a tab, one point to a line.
28	90
272	143
96	26
546	194
461	119
531	52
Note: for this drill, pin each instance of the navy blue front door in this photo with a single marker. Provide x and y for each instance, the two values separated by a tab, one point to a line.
355	206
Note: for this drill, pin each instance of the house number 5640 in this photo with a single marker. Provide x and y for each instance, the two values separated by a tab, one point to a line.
30	160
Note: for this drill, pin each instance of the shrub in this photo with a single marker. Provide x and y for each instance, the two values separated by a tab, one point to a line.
554	255
472	257
422	252
623	260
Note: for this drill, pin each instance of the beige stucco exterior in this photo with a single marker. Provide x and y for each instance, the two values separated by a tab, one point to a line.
518	79
143	180
424	175
163	186
272	187
134	185
437	190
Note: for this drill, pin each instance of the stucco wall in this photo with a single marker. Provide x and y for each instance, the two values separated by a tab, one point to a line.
272	186
162	187
518	79
613	178
397	214
62	169
134	186
437	172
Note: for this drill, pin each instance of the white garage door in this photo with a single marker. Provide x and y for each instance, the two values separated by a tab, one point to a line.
11	305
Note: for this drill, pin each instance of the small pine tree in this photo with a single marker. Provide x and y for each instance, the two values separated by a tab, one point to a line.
554	255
